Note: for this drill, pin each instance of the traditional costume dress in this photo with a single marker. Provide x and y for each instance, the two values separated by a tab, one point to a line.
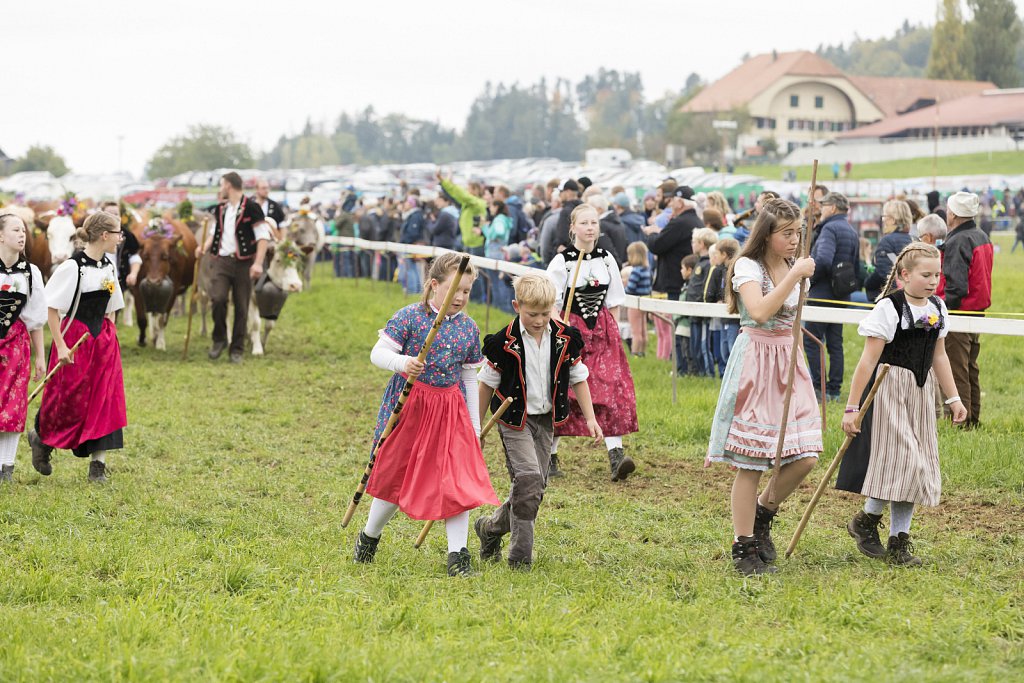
22	310
747	419
598	288
83	404
431	465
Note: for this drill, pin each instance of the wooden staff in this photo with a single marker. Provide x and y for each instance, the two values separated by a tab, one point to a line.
883	370
797	345
483	432
572	289
393	420
51	373
195	294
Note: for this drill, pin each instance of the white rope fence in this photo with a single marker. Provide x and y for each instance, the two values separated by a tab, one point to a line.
818	314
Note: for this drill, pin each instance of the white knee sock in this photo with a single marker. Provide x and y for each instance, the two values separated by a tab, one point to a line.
900	515
8	447
99	456
554	445
611	442
381	513
457	528
874	506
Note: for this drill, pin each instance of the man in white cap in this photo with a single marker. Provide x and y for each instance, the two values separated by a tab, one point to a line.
967	273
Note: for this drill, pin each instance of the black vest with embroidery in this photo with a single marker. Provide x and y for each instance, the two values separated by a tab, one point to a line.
586	303
245	236
92	306
12	303
912	348
504	351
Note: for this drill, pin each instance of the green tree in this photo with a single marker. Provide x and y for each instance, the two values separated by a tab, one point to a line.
995	35
41	158
613	105
203	148
951	56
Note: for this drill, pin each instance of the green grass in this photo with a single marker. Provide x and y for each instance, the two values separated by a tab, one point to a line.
216	551
981	163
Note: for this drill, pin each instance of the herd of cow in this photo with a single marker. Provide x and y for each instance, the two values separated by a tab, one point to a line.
167	247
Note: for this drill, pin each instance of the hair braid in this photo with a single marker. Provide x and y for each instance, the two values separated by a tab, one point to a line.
909	255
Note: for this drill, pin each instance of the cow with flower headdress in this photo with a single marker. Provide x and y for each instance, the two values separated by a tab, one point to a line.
305	229
167	248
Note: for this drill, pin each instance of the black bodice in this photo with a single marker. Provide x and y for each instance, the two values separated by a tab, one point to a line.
11	305
912	348
586	303
91	308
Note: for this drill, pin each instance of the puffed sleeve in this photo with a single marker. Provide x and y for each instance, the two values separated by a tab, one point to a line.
60	288
397	329
616	292
34	312
556	271
474	356
116	302
746	270
881	322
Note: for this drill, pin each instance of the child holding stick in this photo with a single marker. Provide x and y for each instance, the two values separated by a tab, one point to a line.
83	405
764	288
534	359
22	315
896	457
430	466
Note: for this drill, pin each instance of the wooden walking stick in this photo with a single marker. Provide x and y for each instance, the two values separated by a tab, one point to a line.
883	370
797	345
51	373
483	432
572	288
393	420
195	294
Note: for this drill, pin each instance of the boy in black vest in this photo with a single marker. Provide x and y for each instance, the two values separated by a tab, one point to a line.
534	360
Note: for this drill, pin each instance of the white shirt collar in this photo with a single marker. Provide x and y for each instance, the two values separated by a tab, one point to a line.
526	333
447	317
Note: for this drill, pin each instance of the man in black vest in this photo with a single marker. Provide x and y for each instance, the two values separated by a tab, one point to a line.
237	247
271	209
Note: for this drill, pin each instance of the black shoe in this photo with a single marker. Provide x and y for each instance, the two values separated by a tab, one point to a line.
553	470
746	560
217	349
763	533
97	472
864	529
6	474
621	465
40	454
236	357
366	548
520	565
458	564
901	551
490	544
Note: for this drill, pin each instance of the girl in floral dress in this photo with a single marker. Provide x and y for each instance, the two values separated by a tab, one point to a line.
430	467
83	404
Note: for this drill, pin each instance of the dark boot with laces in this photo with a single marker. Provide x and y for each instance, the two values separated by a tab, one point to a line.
864	529
458	563
40	454
490	544
746	560
6	474
97	472
763	533
901	551
621	464
553	470
366	548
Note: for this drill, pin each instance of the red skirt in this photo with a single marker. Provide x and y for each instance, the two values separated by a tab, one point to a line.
85	400
15	370
610	381
431	466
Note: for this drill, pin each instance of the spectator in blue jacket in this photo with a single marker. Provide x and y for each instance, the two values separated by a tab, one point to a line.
413	232
521	223
896	221
633	222
835	242
445	230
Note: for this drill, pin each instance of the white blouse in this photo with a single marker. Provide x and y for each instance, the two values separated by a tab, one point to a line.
748	270
881	322
60	289
602	271
34	312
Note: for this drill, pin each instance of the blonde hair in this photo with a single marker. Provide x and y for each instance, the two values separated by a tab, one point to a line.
705	236
534	289
575	214
908	258
97	224
901	213
441	269
718	202
636	254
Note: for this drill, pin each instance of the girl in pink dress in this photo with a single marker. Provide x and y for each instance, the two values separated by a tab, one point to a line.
763	286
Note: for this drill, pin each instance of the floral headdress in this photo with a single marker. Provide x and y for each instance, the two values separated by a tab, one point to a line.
158	227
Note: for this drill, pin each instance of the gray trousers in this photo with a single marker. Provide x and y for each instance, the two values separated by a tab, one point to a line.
527	456
229	275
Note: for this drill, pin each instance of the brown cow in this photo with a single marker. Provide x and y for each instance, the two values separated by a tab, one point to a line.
168	249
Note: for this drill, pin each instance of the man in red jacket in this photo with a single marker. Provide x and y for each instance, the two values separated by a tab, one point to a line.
967	271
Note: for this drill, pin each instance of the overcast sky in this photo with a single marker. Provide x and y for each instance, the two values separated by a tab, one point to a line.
79	77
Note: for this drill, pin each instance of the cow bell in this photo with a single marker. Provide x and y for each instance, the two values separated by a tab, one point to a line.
157	295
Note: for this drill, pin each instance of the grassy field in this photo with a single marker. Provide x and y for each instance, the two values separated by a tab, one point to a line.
982	163
216	552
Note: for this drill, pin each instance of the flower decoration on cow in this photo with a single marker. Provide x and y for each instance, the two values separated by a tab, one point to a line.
158	227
